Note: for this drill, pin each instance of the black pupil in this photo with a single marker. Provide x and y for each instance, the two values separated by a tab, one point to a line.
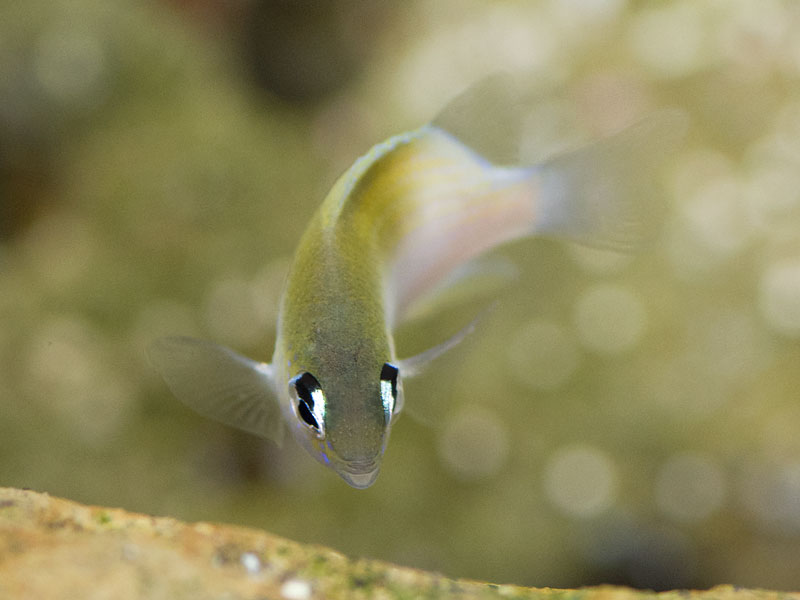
305	414
304	386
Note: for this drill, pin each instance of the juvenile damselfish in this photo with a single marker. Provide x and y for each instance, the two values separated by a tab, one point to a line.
395	226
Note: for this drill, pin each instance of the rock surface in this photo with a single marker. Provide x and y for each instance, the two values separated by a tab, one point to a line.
53	548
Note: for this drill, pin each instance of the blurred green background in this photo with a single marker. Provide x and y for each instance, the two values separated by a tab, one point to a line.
619	419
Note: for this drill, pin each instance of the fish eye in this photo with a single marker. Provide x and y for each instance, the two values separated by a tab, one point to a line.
389	375
309	401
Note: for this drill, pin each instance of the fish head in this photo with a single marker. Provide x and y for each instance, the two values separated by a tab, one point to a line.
343	417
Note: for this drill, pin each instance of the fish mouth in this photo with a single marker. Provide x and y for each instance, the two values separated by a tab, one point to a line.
360	475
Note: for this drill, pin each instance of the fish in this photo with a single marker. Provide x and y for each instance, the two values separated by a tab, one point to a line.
406	216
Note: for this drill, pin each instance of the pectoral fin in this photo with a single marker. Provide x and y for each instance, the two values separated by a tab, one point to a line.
415	365
220	384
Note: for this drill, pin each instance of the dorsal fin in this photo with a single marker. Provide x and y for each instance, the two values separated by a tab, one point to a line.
488	118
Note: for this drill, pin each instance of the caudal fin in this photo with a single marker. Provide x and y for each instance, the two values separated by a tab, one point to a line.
606	194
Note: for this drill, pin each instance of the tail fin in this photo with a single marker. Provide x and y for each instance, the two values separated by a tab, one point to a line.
606	194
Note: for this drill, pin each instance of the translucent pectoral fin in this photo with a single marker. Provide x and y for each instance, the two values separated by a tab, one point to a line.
220	384
415	365
431	414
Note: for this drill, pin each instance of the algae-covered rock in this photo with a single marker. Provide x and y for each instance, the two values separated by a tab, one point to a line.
53	548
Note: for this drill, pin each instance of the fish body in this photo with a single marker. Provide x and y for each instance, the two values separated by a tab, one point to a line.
350	280
393	227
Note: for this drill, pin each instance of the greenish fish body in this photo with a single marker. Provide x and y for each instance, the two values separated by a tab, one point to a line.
394	226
